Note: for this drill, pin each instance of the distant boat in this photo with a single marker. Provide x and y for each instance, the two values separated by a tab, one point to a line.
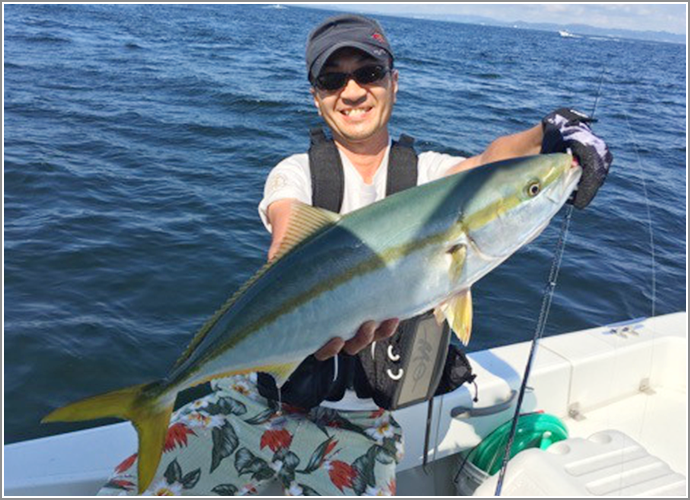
567	34
275	6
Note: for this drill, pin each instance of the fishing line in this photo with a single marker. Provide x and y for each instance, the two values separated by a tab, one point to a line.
644	188
647	203
596	99
539	332
650	227
651	245
547	299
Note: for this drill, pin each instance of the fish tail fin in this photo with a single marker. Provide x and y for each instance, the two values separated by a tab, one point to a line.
143	405
151	422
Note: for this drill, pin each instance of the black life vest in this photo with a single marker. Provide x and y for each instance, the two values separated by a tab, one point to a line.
387	372
403	370
328	179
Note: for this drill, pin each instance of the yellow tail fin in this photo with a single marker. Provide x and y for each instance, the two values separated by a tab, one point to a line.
142	405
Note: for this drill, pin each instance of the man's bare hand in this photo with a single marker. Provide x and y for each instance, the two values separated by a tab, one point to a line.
369	332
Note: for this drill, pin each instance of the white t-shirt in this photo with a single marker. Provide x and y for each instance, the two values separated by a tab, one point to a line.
291	178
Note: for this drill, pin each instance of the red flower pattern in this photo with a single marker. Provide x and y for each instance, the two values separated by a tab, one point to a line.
276	439
290	409
121	483
341	474
126	464
378	413
177	435
330	447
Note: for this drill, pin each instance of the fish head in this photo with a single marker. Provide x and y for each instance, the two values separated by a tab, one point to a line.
514	201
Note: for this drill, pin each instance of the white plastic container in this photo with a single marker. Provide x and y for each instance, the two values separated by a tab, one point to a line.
607	463
469	478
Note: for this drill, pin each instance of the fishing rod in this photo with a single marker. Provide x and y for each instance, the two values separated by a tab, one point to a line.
547	299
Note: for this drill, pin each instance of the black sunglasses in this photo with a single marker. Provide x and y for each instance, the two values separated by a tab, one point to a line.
363	76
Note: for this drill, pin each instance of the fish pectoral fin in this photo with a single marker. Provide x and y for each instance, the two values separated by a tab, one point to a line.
304	221
458	313
280	372
458	254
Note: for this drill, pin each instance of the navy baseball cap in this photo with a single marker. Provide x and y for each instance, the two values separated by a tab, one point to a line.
345	30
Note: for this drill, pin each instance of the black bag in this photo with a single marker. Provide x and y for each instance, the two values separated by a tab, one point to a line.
415	364
457	371
306	388
412	366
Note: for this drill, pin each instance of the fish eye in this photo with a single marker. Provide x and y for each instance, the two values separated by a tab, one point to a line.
533	188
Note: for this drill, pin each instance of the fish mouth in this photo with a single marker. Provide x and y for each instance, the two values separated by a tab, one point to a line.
573	177
565	187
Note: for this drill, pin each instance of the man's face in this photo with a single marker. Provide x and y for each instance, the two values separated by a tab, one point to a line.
356	112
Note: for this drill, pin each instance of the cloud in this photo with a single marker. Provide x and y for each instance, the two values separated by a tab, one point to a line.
556	8
640	17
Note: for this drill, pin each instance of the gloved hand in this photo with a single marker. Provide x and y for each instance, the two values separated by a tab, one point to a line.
566	128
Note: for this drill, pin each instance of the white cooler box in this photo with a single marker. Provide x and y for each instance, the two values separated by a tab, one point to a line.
608	463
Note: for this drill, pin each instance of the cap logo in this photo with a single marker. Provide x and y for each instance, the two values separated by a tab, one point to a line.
378	37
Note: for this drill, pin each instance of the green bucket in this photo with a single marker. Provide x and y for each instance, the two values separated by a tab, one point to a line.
534	430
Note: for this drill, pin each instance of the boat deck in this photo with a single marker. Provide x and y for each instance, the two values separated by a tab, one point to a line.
631	379
657	421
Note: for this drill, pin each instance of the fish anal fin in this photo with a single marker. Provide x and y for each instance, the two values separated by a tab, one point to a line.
458	313
439	314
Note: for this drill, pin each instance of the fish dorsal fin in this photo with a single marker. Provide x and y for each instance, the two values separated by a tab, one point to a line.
305	221
206	328
458	313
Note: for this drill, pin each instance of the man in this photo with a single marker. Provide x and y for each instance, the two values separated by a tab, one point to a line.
354	86
329	430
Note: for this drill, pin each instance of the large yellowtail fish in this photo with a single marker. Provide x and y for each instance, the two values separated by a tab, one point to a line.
419	249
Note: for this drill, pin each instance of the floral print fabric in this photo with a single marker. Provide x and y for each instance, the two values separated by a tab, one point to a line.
234	442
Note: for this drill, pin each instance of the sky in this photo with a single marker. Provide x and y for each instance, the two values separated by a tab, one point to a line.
639	16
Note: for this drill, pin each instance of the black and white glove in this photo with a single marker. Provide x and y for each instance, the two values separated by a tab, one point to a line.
567	129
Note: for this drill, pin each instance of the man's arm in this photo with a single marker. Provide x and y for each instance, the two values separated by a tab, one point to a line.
562	130
278	215
523	143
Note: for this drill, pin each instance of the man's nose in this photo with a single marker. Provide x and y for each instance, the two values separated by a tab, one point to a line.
353	91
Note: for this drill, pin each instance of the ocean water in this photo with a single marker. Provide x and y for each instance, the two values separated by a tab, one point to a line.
137	139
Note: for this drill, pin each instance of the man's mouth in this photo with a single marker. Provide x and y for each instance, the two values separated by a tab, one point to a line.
355	112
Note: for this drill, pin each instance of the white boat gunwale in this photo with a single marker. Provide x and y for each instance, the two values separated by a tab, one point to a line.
604	372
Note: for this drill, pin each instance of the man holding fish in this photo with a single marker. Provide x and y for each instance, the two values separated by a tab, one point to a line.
308	359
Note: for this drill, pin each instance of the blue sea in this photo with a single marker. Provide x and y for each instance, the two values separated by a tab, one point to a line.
137	139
